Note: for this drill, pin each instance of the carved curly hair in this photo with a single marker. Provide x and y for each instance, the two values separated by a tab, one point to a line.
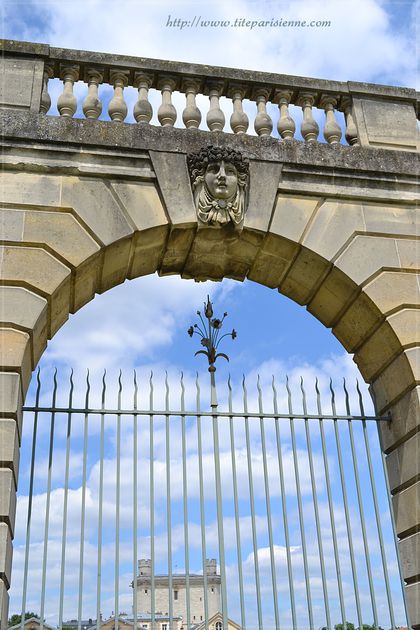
198	162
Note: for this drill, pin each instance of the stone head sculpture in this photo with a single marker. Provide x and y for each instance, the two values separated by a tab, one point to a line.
219	178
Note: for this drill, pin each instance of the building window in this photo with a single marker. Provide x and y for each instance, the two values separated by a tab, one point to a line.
175	595
164	626
219	625
212	589
145	590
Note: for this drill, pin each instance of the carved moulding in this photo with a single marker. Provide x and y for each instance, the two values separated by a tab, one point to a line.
220	181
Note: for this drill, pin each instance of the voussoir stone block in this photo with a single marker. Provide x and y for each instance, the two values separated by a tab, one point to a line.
39	269
395	220
9	446
333	225
6	553
397	378
304	275
174	182
356	323
7	498
142	203
25	309
405	415
397	331
274	258
365	255
148	249
4	605
15	353
403	463
94	201
332	296
409	549
292	215
394	289
264	180
406	505
413	603
11	397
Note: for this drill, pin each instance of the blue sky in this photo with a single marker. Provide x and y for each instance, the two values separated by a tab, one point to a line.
143	323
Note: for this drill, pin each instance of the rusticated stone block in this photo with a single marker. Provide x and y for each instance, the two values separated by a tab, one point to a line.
365	255
174	183
304	276
7	498
401	375
142	203
11	396
21	307
21	83
413	603
291	215
39	269
9	446
409	549
335	292
392	289
405	422
403	463
263	185
6	553
406	505
15	353
333	225
4	606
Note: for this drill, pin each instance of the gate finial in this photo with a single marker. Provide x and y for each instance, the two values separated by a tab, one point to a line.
209	332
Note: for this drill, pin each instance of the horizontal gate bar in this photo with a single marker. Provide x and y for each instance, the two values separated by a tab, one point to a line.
202	414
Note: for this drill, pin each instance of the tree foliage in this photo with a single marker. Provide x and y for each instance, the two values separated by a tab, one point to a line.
15	619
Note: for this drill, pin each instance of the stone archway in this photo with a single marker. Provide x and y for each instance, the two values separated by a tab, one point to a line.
78	225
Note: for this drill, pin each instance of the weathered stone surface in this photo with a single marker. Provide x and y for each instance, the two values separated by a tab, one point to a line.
4	605
94	202
11	397
30	188
387	219
333	295
148	249
403	463
392	289
6	553
304	276
21	83
398	331
401	375
7	499
355	324
115	264
174	182
413	603
39	269
292	215
274	259
15	353
60	231
25	309
333	225
9	446
386	124
365	255
263	185
409	549
406	505
405	416
142	203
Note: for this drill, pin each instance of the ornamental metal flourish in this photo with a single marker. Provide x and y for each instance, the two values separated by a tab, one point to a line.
210	334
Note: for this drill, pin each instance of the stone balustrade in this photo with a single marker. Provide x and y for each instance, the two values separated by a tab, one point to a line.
355	113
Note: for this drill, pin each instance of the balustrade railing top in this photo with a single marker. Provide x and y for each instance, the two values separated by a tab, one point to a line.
374	115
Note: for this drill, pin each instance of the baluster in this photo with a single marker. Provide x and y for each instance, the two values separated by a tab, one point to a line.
117	108
45	97
351	129
215	116
92	106
332	130
67	102
167	113
309	128
239	120
143	111
286	125
263	124
191	114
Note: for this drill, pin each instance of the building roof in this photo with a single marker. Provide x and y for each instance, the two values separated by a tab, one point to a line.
32	620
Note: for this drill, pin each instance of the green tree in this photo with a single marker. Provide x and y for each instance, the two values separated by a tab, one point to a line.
15	619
